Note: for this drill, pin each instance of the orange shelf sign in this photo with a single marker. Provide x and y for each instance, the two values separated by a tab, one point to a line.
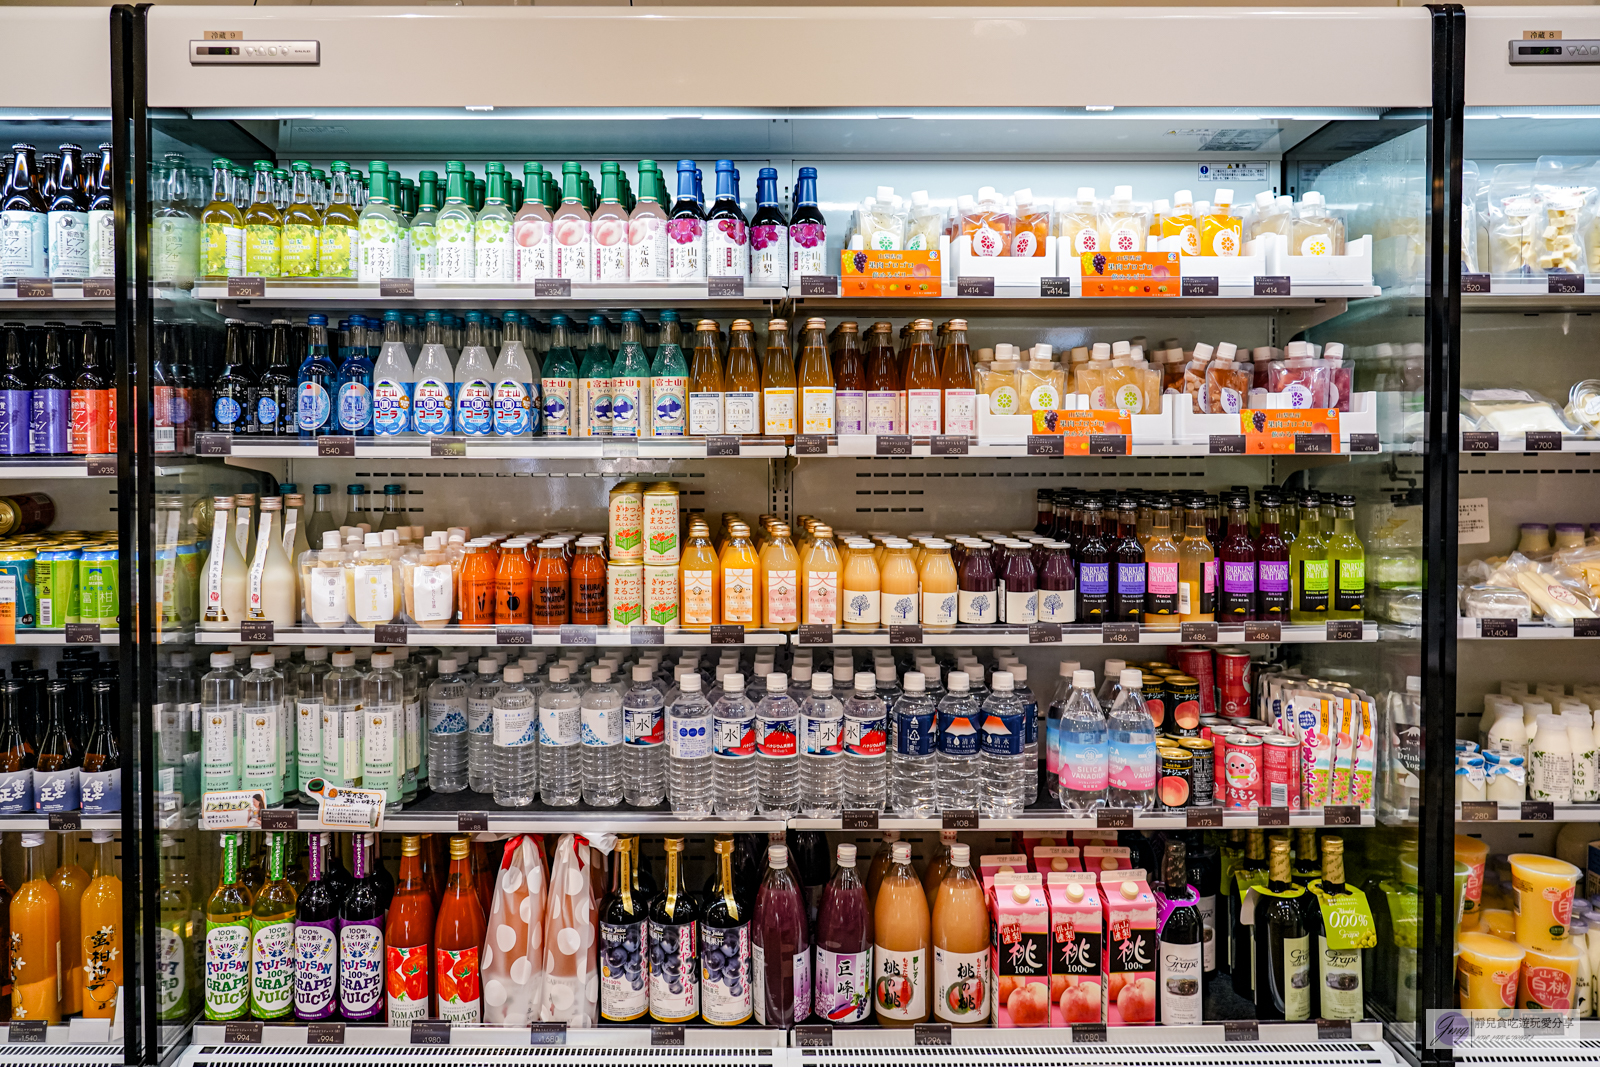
1152	274
1286	431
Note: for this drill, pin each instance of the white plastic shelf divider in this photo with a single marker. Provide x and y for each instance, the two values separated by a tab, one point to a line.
58	638
1054	820
20	823
292	1034
542	637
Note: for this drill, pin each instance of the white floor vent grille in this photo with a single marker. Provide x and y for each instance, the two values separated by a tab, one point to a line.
1257	1054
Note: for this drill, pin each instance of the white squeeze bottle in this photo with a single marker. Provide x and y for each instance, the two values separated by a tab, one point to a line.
392	381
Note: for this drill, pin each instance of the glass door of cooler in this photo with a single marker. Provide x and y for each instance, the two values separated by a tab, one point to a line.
67	508
1526	447
513	425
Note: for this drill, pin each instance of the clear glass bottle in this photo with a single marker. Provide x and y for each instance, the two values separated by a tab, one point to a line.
382	231
263	227
493	260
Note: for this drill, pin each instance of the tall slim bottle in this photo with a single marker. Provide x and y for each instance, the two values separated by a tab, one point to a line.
647	227
706	385
361	955
424	228
272	938
1309	580
316	940
458	938
382	231
769	234
669	379
1347	562
609	228
595	381
686	229
844	937
958	381
1236	599
779	390
960	936
68	218
1197	570
174	952
780	953
923	384
1181	939
1272	563
532	230
227	959
24	223
302	228
1343	926
433	391
808	230
263	227
741	381
102	220
630	375
572	227
492	250
222	227
674	944
817	387
339	242
902	963
725	947
1283	966
727	233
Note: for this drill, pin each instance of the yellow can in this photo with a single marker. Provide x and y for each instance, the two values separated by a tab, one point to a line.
661	596
625	540
661	541
624	594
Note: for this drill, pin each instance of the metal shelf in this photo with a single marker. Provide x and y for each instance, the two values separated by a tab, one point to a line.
1472	630
489	636
274	1035
412	447
1077	636
313	294
20	823
1053	819
1514	812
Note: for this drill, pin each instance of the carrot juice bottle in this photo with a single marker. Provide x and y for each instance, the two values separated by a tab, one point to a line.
739	570
900	951
924	387
886	398
477	584
778	390
741	381
70	880
820	569
699	585
548	602
587	604
513	582
958	382
780	581
408	933
817	390
102	933
458	937
35	940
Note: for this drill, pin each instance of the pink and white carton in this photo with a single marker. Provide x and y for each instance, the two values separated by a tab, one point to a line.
1077	948
1107	858
1019	955
1057	858
1008	863
1131	947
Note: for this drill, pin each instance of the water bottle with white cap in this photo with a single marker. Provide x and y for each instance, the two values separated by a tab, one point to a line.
560	717
866	746
733	752
600	731
263	731
1003	761
1030	729
383	729
644	738
777	749
821	744
689	743
1052	732
1081	750
341	722
516	742
914	783
221	711
1131	758
959	719
447	729
480	725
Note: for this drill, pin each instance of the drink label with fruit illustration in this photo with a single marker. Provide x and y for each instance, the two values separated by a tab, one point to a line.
406	981
842	986
1274	431
725	968
1129	273
960	992
889	273
457	976
674	972
900	983
623	976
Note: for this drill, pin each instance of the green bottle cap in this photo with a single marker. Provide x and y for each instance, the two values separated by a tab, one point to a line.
262	165
301	167
339	167
453	166
571	182
377	166
494	168
455	183
226	164
496	186
533	173
610	185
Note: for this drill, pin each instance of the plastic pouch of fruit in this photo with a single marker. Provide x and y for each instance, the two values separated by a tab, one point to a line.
1341	373
513	950
571	924
1305	381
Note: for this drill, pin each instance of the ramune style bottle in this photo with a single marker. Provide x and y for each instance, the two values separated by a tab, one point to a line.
433	390
474	383
629	376
518	407
686	229
382	231
669	381
595	379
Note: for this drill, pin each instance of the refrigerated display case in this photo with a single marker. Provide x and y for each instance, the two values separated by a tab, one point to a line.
1525	271
874	203
72	968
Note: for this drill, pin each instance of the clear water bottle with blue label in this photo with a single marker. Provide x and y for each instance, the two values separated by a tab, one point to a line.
733	752
1081	741
1131	760
821	744
866	741
1003	762
354	400
958	745
913	773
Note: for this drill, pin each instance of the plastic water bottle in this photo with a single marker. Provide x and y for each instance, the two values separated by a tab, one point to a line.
821	745
799	683
1111	688
1131	758
958	746
866	741
341	722
733	752
777	750
560	778
601	734
480	726
1003	761
447	730
262	729
1030	732
1081	746
516	742
689	749
643	737
913	781
1052	726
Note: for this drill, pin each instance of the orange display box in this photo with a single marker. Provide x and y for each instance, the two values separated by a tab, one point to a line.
1152	274
1077	426
889	273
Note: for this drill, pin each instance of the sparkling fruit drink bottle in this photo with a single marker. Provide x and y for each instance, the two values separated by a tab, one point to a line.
1131	760
1081	740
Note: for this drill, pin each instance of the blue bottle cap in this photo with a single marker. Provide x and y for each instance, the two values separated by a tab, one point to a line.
316	320
391	316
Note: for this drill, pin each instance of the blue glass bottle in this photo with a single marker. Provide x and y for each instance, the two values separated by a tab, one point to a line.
232	392
316	382
353	414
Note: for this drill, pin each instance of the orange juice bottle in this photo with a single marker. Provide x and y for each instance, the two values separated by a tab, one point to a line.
778	390
817	392
937	579
70	880
101	916
739	570
924	393
780	581
741	402
820	570
1180	223
699	590
36	940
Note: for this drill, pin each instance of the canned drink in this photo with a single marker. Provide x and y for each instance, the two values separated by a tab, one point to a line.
1183	717
1196	663
661	596
1155	699
624	595
1242	773
97	586
1205	774
20	564
1261	729
1281	761
625	532
1175	790
660	524
1221	737
55	575
1233	683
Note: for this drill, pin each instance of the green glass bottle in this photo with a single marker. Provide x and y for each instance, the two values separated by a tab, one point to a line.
594	381
1309	585
457	256
424	228
263	227
669	381
492	233
173	952
630	379
222	227
272	938
227	977
1347	562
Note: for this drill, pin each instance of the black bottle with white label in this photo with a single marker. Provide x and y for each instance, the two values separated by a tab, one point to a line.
1180	985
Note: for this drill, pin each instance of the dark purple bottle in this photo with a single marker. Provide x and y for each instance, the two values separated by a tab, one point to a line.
1022	585
1093	558
50	408
1058	585
361	955
1127	594
1045	506
1237	556
316	940
975	588
16	398
1272	565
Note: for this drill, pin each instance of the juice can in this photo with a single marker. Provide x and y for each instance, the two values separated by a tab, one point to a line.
97	586
20	563
1281	777
1220	738
1242	772
1205	774
1233	683
1183	712
625	531
1196	663
624	594
661	596
1175	789
660	523
55	574
1155	699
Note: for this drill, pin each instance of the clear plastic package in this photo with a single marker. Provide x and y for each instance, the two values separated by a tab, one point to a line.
1513	411
1307	381
1567	187
1513	214
1469	218
1558	593
1583	406
1496	602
